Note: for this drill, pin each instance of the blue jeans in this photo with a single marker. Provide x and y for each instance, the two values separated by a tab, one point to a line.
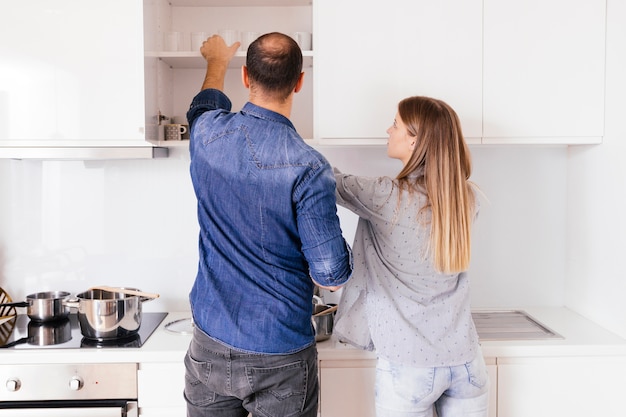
457	391
223	382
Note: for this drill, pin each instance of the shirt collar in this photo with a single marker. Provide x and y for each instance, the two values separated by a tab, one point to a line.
263	113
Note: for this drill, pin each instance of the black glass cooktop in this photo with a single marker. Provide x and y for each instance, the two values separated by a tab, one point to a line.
20	332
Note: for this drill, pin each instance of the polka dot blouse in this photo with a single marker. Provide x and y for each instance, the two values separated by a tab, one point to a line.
396	303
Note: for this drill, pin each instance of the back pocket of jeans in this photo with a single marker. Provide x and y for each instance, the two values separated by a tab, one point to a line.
477	372
409	383
197	375
279	391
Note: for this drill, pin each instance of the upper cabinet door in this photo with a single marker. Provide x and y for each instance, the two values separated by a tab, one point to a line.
544	65
71	70
369	58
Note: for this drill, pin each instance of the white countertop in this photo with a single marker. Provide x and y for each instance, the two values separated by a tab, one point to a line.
581	337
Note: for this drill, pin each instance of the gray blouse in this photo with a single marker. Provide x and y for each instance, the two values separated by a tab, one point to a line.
396	303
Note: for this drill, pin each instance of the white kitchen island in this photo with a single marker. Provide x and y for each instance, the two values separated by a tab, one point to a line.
583	373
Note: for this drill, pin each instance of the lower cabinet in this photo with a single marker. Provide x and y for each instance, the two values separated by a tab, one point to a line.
160	389
492	370
519	387
562	386
347	387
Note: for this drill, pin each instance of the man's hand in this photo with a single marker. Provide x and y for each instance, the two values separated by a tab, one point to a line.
214	49
217	55
332	289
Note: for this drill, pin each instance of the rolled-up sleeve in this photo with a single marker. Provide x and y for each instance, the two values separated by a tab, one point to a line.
326	251
207	100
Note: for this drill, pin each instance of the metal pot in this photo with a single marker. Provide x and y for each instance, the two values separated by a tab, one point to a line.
108	315
44	306
323	320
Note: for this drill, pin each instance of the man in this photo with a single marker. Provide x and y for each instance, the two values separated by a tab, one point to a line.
268	233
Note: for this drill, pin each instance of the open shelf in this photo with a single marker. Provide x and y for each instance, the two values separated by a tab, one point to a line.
193	59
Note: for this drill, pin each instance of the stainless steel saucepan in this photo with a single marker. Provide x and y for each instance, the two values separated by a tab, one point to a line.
44	306
323	319
107	313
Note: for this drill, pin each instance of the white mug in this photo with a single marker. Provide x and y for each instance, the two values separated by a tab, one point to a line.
230	36
175	131
172	41
246	39
304	40
197	39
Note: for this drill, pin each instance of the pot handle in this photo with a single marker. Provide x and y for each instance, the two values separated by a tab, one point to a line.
327	311
16	304
145	296
71	302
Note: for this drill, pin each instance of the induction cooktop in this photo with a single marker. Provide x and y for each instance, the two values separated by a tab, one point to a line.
20	332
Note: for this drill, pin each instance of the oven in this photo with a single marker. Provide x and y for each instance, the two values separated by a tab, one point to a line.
69	390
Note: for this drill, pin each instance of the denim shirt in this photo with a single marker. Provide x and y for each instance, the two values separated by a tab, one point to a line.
268	224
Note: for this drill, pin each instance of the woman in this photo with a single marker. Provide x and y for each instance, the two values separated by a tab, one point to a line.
409	295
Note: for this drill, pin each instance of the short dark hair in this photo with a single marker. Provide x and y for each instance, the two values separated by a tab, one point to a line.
274	63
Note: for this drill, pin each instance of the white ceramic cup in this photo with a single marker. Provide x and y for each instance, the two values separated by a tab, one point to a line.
230	36
247	38
174	131
172	41
304	40
197	38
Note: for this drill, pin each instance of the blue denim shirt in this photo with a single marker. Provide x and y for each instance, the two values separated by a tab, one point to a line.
268	224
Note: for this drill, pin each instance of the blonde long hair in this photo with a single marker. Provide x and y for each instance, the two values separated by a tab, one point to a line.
443	160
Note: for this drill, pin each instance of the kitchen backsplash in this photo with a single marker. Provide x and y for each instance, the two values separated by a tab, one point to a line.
67	225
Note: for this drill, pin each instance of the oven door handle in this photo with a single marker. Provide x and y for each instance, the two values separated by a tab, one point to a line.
130	409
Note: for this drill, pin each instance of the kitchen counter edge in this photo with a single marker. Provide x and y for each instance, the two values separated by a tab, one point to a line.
581	337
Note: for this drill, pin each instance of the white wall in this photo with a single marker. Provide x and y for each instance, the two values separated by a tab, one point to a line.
596	283
70	225
519	238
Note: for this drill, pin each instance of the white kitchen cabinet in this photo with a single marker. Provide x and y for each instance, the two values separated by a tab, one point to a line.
85	73
561	386
347	387
71	73
369	58
515	71
160	388
543	75
176	76
492	370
